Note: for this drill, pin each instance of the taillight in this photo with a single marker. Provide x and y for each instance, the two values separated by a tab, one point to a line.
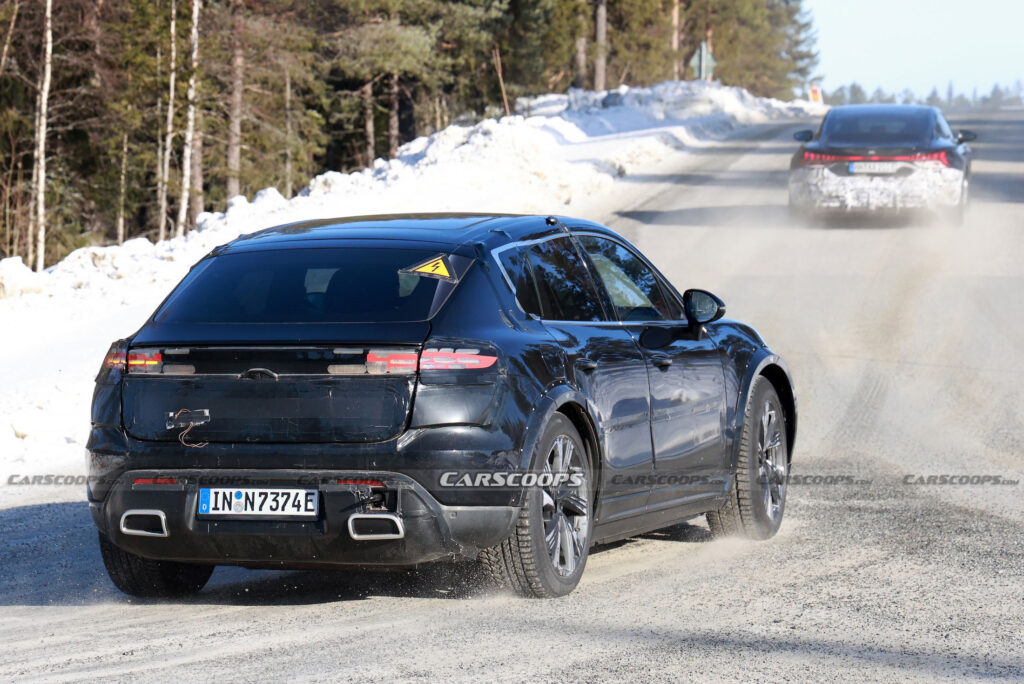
455	359
145	361
390	362
114	363
361	361
819	159
939	157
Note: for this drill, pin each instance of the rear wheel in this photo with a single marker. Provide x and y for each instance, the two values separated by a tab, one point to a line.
546	553
148	578
757	500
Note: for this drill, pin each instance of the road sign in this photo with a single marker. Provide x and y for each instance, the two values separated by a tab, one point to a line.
815	94
703	64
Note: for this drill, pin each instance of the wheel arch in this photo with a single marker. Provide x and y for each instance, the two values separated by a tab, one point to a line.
584	425
569	402
780	380
773	369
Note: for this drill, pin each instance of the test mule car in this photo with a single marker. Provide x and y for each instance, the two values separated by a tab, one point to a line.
881	158
388	391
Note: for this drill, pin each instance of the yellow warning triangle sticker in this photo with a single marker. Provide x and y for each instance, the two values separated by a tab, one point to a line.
436	267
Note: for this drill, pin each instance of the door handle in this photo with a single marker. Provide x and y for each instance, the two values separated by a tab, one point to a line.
661	361
586	365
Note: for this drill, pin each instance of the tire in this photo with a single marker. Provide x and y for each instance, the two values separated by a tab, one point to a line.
147	578
757	501
546	553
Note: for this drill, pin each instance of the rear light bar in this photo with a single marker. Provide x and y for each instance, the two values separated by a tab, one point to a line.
145	361
346	361
381	361
405	362
155	481
455	359
821	159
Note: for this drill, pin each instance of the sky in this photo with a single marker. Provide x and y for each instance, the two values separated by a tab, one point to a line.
919	44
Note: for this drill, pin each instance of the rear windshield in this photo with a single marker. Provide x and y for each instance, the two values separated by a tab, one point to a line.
315	285
852	127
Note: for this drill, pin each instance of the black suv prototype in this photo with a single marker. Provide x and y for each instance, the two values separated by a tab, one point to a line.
392	390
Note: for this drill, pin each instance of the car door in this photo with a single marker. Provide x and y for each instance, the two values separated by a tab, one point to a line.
687	383
553	283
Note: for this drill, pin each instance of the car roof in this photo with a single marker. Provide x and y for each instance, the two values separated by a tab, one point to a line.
453	230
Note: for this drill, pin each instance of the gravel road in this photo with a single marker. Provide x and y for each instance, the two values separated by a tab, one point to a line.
905	340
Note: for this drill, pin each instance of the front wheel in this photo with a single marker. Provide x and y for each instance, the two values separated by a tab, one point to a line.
546	553
149	578
757	499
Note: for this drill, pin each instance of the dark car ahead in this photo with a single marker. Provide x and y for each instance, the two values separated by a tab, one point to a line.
881	158
386	391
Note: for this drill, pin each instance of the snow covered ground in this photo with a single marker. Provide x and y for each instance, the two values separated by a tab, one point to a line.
562	154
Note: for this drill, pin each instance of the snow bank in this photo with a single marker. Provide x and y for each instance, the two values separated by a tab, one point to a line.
559	153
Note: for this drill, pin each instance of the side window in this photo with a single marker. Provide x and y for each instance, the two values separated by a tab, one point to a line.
632	285
566	292
517	266
942	128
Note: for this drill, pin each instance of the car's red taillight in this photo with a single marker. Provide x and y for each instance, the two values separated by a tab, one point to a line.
115	360
114	363
145	361
455	359
381	361
821	159
939	156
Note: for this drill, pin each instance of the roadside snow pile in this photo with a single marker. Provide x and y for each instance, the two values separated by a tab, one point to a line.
559	154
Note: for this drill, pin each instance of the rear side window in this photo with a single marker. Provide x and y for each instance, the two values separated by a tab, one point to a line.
564	287
517	266
306	286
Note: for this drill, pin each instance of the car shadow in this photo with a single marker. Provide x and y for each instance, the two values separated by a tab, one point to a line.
50	557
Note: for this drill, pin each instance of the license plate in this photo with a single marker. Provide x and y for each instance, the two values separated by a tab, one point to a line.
873	167
259	502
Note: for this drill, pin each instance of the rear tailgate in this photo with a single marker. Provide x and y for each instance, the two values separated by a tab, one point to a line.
347	392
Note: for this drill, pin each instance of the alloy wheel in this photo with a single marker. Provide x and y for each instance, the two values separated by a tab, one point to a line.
565	508
772	465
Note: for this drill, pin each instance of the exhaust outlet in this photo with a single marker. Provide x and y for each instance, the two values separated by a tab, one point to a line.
144	523
372	526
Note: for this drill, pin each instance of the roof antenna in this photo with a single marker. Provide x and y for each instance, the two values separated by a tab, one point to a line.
551	220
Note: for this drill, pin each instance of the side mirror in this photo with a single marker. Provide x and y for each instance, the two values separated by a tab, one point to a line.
806	135
701	308
966	136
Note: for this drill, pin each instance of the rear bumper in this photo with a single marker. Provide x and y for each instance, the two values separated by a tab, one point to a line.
820	189
430	530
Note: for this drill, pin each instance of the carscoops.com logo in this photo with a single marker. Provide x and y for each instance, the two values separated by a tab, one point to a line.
455	478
